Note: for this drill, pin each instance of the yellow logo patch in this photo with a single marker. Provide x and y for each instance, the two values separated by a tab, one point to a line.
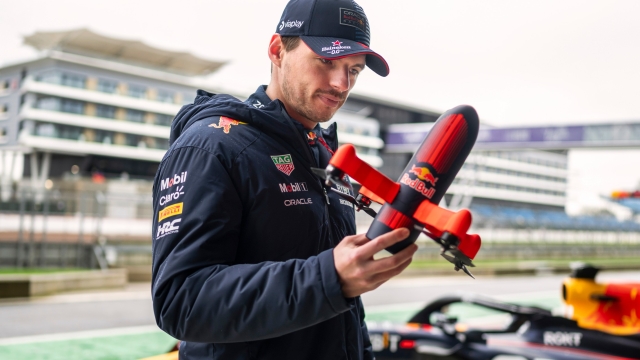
169	211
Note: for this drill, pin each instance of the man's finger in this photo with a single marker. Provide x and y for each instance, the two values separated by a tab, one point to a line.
392	262
382	277
360	239
383	242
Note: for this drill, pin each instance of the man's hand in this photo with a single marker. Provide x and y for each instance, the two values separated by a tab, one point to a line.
359	272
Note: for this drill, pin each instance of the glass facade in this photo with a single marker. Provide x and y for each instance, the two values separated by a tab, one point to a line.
67	132
106	86
134	116
105	111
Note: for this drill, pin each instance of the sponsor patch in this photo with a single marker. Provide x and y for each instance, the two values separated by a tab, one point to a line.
335	48
311	137
418	186
423	174
284	163
174	180
561	338
172	196
168	228
293	187
225	124
291	24
346	203
353	18
169	211
293	202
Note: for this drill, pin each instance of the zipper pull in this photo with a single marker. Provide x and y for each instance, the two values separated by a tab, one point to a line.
326	196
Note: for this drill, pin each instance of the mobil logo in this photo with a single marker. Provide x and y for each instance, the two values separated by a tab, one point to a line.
174	180
293	187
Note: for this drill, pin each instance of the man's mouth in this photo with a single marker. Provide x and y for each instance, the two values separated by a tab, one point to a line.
330	100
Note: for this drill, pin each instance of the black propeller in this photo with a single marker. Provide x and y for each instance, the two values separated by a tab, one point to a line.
450	251
356	203
331	175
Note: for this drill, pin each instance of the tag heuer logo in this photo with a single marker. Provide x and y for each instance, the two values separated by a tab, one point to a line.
283	163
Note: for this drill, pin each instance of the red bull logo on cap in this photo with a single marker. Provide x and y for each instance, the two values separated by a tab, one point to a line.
423	174
225	124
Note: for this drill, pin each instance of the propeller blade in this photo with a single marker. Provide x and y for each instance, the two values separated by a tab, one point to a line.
370	211
348	197
466	271
355	203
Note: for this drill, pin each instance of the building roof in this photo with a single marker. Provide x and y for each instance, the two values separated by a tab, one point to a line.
86	42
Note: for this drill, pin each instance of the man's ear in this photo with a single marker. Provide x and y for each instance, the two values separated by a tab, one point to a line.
276	50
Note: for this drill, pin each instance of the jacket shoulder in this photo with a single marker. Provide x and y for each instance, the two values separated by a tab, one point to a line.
218	134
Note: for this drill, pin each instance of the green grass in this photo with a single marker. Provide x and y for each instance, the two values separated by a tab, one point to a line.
442	263
124	347
32	271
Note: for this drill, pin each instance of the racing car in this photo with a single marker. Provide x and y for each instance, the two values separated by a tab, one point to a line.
601	324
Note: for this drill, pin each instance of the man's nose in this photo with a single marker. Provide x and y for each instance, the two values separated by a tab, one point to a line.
340	80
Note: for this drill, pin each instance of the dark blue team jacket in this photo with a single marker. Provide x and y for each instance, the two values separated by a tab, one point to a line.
243	235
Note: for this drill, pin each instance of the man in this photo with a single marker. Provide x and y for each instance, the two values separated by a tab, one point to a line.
253	257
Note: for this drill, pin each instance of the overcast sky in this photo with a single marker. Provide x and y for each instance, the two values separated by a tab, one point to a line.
517	62
533	62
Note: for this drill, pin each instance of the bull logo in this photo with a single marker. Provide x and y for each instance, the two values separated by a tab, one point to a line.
423	174
225	124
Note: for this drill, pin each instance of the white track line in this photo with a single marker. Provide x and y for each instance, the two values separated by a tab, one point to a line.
131	330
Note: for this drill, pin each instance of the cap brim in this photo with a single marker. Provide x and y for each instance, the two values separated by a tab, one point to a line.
336	48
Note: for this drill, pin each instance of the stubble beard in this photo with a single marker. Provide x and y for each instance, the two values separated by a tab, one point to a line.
299	99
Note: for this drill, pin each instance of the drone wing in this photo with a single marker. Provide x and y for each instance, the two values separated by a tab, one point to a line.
381	188
450	229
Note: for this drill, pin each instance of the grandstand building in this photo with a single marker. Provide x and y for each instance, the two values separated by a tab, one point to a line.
92	105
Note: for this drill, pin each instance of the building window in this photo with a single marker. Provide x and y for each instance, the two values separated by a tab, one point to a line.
164	120
65	79
187	98
4	85
107	86
48	130
104	137
137	91
132	140
161	144
3	134
72	106
165	96
4	108
135	116
74	80
106	111
48	103
57	104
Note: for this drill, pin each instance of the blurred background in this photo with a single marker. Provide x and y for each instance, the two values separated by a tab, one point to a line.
88	91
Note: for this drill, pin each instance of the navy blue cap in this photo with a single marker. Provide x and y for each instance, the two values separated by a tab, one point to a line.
333	29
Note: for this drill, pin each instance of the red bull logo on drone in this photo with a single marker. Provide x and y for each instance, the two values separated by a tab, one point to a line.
423	174
420	183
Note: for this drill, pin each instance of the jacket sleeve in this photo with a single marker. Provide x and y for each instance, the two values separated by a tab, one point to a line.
366	341
198	295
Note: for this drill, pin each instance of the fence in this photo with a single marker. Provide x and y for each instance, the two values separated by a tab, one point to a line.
71	228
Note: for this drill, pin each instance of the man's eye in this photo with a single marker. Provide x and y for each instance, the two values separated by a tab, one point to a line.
355	72
325	61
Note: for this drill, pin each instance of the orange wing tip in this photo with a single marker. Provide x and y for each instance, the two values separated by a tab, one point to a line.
343	155
470	245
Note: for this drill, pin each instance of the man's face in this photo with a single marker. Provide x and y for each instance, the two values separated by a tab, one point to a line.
314	88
